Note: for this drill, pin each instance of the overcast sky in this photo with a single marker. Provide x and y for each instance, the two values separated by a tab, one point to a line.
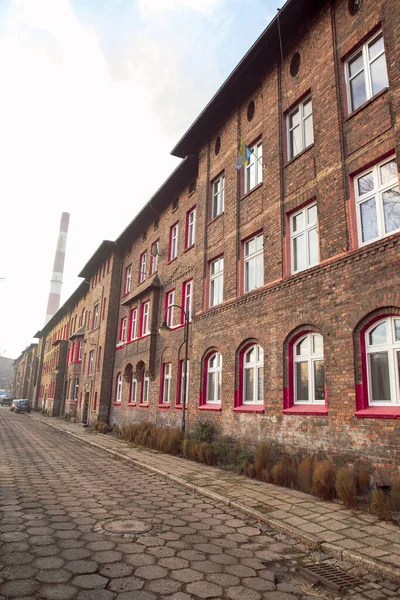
94	95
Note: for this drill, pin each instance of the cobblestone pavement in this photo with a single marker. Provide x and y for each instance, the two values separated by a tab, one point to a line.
59	499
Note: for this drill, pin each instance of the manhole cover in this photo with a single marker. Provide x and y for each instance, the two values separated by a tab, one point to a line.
330	576
123	527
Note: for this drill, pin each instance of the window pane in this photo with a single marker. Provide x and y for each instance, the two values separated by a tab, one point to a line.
388	171
212	361
259	242
319	380
298	253
357	90
218	398
302	348
307	108
379	76
308	131
295	141
317	344
298	222
250	355
294	119
397	330
376	47
248	385
249	276
211	387
378	335
391	209
380	383
369	226
259	276
355	64
365	183
313	246
302	382
312	215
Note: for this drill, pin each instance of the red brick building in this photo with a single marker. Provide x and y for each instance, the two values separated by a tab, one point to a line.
294	301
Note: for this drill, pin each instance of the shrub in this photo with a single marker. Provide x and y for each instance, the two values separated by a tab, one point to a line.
190	449
204	432
101	427
262	459
305	472
363	479
116	430
229	453
278	474
394	497
175	441
346	486
324	480
206	453
380	504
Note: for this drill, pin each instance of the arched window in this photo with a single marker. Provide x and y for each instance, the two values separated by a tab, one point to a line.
308	357
118	392
382	343
253	375
214	378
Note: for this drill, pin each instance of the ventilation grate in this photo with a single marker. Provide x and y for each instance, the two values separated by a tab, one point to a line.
330	576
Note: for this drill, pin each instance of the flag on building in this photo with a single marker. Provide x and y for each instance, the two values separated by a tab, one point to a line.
244	154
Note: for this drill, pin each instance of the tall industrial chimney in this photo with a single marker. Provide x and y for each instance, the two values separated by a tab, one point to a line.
58	268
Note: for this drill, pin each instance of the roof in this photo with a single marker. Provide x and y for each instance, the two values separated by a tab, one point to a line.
97	259
248	74
185	172
65	309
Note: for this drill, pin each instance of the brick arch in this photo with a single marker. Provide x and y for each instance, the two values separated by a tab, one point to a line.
128	372
140	370
368	306
166	355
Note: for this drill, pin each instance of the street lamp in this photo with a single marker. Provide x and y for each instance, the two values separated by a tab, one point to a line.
165	327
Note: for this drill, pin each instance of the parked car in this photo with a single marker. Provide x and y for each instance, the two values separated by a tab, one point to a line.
5	401
13	403
22	405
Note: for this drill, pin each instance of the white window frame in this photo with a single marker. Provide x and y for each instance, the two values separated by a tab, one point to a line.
191	228
305	232
167	376
76	389
292	151
170	300
123	330
143	266
255	365
79	357
366	69
252	261
217	282
392	349
154	258
95	316
214	396
377	193
134	324
182	368
91	362
311	358
146	390
174	238
253	174
133	389
218	196
145	320
118	396
128	279
187	299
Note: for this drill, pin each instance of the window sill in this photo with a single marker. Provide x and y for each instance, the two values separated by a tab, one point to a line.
120	346
304	151
164	405
250	408
379	412
189	248
256	187
366	103
131	404
307	409
71	401
117	403
214	407
144	405
171	260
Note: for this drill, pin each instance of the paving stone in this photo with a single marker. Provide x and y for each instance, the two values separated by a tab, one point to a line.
239	592
82	566
139	595
204	589
151	572
240	570
279	596
54	576
186	575
57	592
75	553
223	579
125	584
99	546
90	582
19	588
163	586
108	556
259	584
96	595
17	558
140	560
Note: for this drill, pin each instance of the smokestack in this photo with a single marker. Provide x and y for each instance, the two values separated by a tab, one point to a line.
58	268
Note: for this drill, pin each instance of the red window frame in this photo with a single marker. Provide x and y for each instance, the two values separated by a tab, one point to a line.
204	405
289	406
116	401
122	329
161	402
185	286
154	257
168	311
133	311
128	279
142	272
142	314
239	404
95	402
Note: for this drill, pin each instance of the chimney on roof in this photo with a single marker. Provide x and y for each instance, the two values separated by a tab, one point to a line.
53	303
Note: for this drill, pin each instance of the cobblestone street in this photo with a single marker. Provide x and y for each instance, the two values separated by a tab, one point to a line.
60	503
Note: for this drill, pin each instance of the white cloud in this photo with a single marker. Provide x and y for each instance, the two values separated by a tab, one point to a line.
149	7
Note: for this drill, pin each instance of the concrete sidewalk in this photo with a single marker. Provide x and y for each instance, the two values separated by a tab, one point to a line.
348	535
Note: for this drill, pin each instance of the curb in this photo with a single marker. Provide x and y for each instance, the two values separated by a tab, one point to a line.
309	540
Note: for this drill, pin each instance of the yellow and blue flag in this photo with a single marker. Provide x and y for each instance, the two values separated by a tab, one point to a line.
244	154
